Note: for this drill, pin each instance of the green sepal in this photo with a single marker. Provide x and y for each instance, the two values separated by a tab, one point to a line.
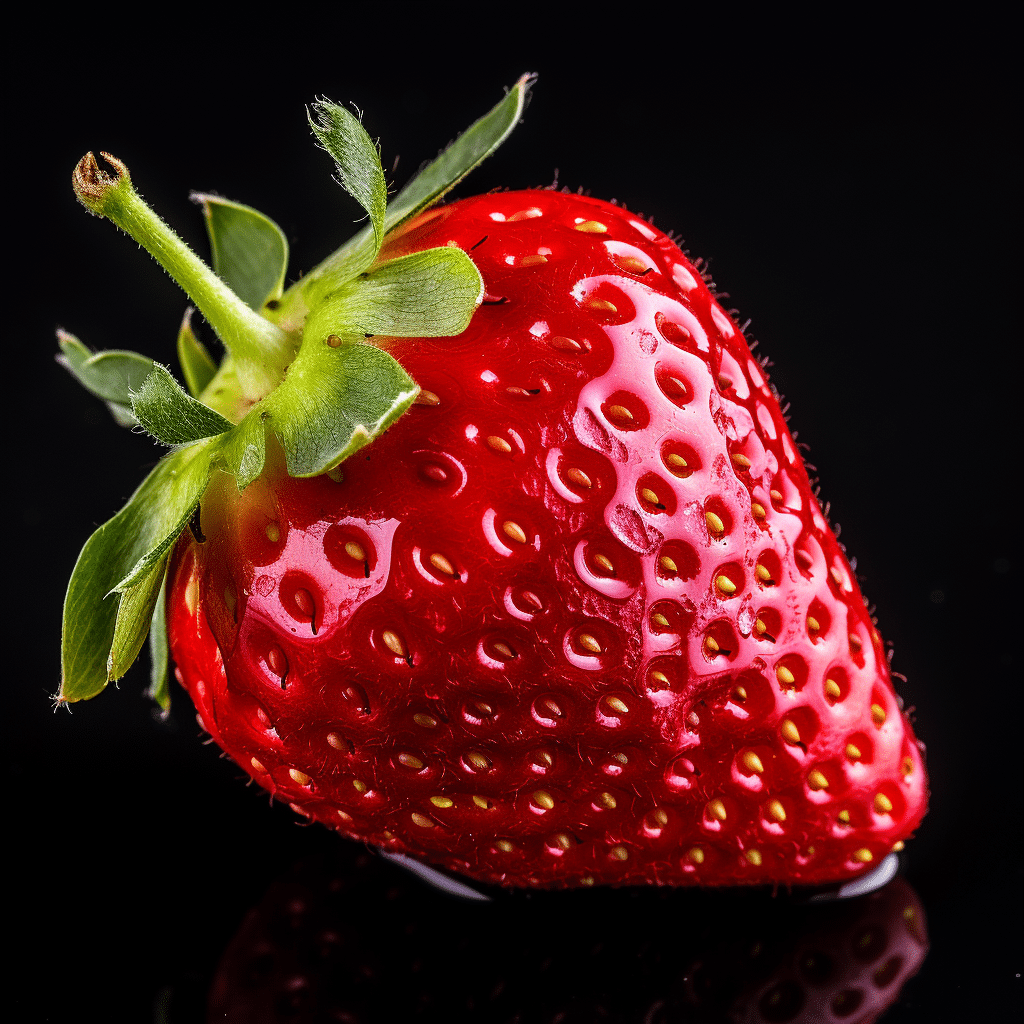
334	401
159	650
361	175
428	294
197	365
171	415
110	375
470	149
124	553
250	252
244	450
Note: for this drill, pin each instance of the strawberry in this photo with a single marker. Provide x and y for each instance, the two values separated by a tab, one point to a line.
573	616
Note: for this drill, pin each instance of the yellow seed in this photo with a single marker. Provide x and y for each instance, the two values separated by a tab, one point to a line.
758	510
421	819
427	721
856	643
754	856
578	477
606	800
816	779
742	461
659	620
715	524
592	227
427	398
482	802
300	777
484	709
659	678
693	719
776	810
716	809
883	804
907	765
344	815
504	650
676	461
630	264
562	840
852	752
479	761
499	444
441	564
565	344
514	531
763	574
587	880
602	306
660	817
775	495
844	817
759	626
355	551
836	575
504	845
812	624
740	692
832	689
618	853
533	260
359	786
336	741
620	412
191	595
898	845
785	676
441	801
257	765
877	714
696	854
789	731
649	496
616	705
543	799
543	757
273	532
589	643
333	340
668	564
621	758
863	855
410	761
725	585
723	382
752	762
394	643
712	645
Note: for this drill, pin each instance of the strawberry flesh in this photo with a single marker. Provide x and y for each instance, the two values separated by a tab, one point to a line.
577	617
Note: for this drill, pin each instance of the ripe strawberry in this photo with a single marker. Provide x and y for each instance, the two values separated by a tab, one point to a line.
575	618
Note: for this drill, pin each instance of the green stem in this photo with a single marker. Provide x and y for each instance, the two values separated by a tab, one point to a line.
259	349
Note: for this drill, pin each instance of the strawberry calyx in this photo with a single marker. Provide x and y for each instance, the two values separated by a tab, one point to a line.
301	371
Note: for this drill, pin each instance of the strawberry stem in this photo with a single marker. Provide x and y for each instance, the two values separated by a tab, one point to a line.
259	350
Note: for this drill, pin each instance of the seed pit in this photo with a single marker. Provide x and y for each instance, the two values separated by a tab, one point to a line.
673	384
625	411
549	710
655	496
350	551
677	560
767	624
679	459
674	333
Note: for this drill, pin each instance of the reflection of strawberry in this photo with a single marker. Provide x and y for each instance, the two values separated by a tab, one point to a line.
576	617
359	941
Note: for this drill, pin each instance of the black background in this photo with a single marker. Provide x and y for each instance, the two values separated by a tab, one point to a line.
855	184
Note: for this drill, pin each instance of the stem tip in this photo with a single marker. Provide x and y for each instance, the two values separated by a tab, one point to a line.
92	184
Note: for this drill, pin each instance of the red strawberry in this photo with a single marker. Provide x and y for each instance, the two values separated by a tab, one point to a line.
576	617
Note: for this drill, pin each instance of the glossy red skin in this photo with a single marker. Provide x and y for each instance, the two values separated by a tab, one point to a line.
354	716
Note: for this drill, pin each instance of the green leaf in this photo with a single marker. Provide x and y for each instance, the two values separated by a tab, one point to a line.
126	550
110	375
361	175
250	252
429	294
477	143
159	651
197	364
245	448
334	401
134	615
172	416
